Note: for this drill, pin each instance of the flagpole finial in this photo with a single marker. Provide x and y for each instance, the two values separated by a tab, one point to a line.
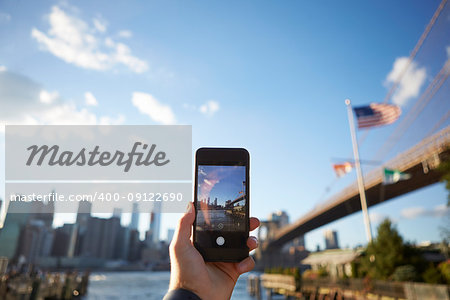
347	102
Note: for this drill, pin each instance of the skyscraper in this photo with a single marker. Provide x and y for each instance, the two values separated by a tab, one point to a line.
9	236
134	217
331	239
117	212
155	222
83	216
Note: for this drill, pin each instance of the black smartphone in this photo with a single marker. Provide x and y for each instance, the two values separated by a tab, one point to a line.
221	200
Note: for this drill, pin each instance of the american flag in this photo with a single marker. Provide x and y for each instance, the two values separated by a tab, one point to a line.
376	114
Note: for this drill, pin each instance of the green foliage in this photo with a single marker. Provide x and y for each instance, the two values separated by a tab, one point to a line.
444	168
405	273
444	268
388	252
322	272
433	275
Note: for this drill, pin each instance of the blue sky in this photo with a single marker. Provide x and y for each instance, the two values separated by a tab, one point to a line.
221	182
268	76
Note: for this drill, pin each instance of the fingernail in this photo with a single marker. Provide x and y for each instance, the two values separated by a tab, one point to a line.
255	239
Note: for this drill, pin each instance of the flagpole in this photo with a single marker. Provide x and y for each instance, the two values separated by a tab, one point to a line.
362	192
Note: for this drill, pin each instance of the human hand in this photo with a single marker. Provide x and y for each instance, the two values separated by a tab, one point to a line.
210	280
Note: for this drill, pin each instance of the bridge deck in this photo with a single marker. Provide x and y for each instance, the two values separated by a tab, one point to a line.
420	161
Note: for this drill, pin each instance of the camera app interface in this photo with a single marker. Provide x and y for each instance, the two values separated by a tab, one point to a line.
221	198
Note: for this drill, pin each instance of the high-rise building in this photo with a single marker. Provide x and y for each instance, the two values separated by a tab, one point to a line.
331	239
122	244
83	216
9	236
117	212
281	217
64	240
134	217
35	241
134	252
155	222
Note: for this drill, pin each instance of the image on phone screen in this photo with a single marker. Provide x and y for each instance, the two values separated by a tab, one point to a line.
221	198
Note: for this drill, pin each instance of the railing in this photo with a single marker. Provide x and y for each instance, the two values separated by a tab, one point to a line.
351	288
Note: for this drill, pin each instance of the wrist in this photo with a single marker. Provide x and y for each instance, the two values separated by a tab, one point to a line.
180	293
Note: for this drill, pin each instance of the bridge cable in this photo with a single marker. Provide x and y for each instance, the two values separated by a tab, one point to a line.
418	107
439	123
411	57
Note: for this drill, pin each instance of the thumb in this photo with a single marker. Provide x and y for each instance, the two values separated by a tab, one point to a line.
182	234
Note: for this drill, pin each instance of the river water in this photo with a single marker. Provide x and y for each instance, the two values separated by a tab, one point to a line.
143	285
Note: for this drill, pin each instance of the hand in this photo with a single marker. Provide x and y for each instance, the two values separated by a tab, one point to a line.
211	280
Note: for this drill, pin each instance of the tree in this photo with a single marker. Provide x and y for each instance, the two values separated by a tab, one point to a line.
385	253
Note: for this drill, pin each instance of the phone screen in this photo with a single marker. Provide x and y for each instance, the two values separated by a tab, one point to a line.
221	206
221	198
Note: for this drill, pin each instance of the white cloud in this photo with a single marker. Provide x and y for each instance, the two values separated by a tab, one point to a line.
3	68
209	108
100	25
411	82
23	101
72	40
89	99
47	97
126	34
150	106
448	51
416	212
377	217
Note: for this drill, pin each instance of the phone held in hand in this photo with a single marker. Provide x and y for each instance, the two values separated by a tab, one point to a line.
221	200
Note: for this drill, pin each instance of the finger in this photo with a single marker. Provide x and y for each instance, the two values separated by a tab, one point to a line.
254	223
252	243
182	234
246	265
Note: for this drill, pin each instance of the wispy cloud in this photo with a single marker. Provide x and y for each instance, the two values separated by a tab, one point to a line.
377	217
89	99
150	106
47	97
99	24
209	108
24	101
126	34
411	82
73	40
420	211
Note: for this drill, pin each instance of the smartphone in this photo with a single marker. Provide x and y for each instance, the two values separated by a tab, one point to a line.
221	200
